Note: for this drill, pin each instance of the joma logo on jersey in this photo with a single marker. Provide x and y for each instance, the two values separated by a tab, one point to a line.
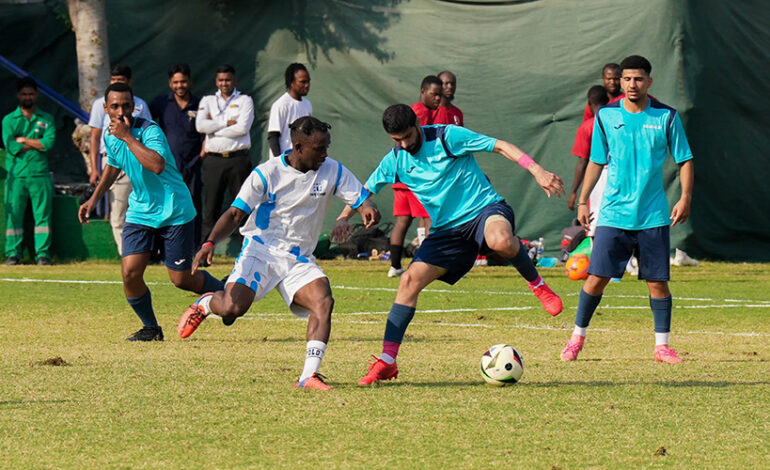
319	189
651	126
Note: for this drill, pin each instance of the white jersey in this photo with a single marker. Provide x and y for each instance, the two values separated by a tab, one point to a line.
287	207
283	112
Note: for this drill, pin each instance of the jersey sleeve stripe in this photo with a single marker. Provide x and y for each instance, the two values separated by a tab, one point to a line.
364	194
264	181
339	176
239	203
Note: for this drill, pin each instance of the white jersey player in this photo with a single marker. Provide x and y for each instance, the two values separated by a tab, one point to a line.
286	200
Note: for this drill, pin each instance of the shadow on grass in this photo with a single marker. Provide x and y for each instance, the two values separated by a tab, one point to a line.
588	383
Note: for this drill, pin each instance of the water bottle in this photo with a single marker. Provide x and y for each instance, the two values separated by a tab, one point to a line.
540	247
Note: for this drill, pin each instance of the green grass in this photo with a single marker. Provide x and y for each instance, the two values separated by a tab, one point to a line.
224	398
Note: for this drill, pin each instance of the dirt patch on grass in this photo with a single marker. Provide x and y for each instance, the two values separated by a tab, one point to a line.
53	361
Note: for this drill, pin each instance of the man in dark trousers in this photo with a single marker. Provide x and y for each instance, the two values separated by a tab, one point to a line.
175	113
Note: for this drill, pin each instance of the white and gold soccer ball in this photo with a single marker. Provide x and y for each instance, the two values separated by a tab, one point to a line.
501	365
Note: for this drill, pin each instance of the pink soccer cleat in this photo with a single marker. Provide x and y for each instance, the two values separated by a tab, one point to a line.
665	354
551	302
379	370
574	346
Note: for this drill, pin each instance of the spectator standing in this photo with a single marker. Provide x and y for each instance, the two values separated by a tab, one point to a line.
175	113
226	118
448	89
611	81
291	106
597	97
28	135
99	121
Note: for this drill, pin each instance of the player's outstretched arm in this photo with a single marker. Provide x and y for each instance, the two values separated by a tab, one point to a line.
369	213
593	171
550	182
681	211
222	229
580	171
109	177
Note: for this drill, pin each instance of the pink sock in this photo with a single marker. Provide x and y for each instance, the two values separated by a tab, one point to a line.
391	349
536	283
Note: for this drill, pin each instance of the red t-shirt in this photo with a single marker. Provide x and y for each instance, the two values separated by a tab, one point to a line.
582	146
453	115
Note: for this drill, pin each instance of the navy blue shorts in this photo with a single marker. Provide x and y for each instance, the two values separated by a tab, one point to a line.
613	248
175	243
456	249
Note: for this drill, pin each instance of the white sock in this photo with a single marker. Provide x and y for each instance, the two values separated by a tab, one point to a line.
205	303
661	339
420	234
314	352
387	358
579	331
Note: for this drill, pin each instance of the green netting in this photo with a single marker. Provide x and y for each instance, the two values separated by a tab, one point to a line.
523	69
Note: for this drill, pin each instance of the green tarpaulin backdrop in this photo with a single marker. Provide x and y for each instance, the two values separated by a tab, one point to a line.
523	70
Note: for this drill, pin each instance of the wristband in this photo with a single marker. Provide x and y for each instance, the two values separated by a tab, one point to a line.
208	243
582	204
525	161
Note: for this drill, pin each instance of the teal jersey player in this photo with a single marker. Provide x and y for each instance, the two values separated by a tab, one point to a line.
627	142
443	174
157	200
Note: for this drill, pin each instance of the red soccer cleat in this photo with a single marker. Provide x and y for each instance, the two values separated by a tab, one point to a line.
192	318
665	354
551	302
574	346
315	382
379	370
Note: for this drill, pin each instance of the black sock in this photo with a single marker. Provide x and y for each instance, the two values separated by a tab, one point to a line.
396	251
143	307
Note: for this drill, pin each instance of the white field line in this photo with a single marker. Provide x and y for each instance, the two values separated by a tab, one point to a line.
738	303
392	289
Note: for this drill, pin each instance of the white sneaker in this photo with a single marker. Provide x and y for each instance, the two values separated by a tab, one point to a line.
632	267
393	272
682	259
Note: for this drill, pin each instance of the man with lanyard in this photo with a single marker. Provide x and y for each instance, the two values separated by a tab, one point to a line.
226	119
98	121
28	135
160	210
175	114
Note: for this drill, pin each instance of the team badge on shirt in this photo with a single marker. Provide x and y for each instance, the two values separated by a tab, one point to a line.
319	189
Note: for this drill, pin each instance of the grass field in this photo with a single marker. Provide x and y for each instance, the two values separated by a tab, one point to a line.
224	398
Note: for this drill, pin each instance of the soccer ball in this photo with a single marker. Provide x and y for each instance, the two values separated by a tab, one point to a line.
501	365
577	267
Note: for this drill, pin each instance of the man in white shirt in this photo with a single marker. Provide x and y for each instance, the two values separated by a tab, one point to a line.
291	106
226	119
99	121
285	200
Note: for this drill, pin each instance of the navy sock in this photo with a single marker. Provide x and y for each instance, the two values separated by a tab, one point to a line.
143	308
524	265
210	283
398	319
587	304
661	313
396	251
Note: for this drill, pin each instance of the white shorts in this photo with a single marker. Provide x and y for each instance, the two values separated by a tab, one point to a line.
264	271
595	200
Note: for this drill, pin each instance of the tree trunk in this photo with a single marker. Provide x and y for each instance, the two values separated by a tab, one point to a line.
90	25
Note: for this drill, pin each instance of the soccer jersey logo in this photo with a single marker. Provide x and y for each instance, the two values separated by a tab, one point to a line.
319	189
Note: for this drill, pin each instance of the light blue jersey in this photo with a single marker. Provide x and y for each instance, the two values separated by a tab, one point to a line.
156	200
634	147
443	174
